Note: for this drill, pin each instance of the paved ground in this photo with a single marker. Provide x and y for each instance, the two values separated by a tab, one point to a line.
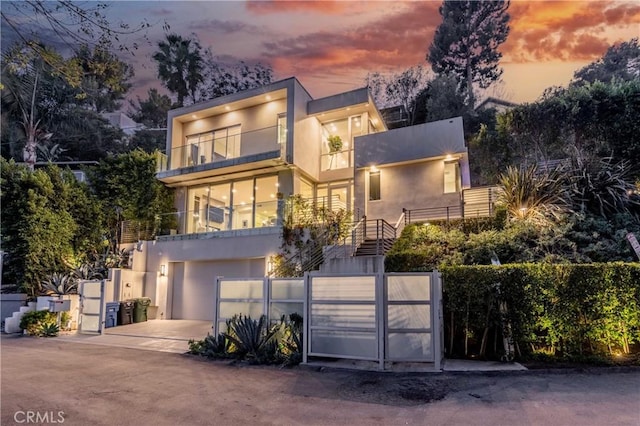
98	385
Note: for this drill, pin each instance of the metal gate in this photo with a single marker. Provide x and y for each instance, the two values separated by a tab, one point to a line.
381	317
254	297
91	306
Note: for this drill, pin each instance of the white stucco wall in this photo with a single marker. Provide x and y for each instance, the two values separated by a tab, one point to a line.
410	186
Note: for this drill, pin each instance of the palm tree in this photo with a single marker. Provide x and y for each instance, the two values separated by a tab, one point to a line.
22	80
180	66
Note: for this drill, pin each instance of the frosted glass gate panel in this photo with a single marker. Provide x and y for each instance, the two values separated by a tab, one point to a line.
286	296
254	297
408	318
343	317
239	297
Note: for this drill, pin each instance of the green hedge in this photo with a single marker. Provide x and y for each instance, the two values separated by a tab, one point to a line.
558	309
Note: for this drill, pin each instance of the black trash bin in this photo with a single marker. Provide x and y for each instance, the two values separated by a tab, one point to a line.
140	309
111	316
125	316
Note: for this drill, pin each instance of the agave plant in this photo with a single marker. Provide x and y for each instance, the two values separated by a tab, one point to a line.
533	196
87	271
253	339
60	284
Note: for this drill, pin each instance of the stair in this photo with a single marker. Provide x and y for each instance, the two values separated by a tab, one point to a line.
370	247
12	323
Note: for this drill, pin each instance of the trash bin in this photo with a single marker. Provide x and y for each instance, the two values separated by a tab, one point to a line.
140	309
125	316
111	316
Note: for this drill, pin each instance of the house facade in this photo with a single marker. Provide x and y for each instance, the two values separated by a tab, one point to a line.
233	162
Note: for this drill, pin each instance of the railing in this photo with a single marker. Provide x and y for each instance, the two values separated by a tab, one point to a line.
432	213
337	160
214	150
224	218
474	202
309	257
132	231
162	162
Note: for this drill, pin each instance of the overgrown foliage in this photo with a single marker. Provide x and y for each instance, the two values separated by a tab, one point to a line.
308	227
255	341
49	221
563	310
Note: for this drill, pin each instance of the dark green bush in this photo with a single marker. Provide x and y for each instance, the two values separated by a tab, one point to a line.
562	309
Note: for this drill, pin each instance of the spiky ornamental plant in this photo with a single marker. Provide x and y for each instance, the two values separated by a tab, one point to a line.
533	196
601	186
253	339
60	284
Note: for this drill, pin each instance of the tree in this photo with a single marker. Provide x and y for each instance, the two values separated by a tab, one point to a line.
105	78
443	98
399	89
621	61
466	42
224	79
70	24
26	78
151	112
49	220
180	66
127	186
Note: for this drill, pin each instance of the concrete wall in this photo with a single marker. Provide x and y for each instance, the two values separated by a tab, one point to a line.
410	186
436	139
10	303
244	254
306	135
341	100
192	288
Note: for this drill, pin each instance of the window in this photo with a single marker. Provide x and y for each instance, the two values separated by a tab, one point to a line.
212	146
282	128
374	186
450	177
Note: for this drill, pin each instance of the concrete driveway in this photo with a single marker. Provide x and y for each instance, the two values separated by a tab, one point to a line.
98	385
156	335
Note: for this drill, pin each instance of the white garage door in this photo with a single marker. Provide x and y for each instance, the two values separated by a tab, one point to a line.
193	295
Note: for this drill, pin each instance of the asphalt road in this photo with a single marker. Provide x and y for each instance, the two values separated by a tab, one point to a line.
50	381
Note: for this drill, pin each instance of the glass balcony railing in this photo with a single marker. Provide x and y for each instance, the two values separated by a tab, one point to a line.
337	160
224	218
212	150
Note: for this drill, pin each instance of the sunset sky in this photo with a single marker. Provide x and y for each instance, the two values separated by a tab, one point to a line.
330	46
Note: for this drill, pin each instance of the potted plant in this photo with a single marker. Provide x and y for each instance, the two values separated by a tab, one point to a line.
335	146
335	143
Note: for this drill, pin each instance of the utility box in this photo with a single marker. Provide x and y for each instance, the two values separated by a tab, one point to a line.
59	305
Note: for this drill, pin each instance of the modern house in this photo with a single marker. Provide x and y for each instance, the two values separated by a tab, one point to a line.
235	160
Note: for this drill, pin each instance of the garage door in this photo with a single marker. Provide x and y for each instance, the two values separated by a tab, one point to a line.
193	293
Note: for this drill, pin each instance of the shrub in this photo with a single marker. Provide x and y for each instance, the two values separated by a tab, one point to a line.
39	323
255	341
568	310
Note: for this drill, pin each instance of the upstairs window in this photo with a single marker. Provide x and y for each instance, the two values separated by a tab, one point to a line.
374	185
451	177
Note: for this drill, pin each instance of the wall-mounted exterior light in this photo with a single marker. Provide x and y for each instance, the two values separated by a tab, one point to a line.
163	270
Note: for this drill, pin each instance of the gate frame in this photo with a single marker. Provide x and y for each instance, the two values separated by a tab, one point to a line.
381	321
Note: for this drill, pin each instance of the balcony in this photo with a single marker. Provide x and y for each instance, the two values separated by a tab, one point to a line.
239	150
